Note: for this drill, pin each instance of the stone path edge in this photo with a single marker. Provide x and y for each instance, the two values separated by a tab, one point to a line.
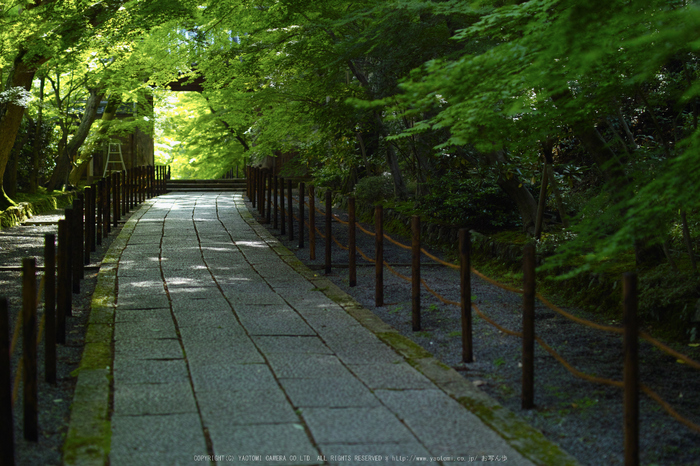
89	432
524	438
89	429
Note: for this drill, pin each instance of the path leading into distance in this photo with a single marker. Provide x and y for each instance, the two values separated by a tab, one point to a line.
224	345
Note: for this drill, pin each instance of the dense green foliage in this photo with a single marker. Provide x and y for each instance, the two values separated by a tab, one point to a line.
458	102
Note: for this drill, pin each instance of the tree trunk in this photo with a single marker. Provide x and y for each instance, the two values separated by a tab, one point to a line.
516	191
393	161
65	160
38	140
10	121
541	203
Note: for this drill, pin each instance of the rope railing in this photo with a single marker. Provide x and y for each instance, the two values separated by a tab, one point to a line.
607	328
568	366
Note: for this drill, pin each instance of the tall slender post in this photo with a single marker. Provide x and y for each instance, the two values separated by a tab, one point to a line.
124	192
352	249
631	370
261	192
99	204
283	212
528	359
68	242
251	186
142	184
77	240
152	180
466	293
7	427
302	191
93	217
88	226
29	327
74	238
415	272
275	223
108	205
312	223
329	231
62	284
268	211
132	188
379	253
50	307
117	201
290	210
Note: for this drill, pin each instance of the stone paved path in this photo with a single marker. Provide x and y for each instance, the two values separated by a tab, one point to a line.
221	347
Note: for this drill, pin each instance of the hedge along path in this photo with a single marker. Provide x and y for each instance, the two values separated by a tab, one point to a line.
618	330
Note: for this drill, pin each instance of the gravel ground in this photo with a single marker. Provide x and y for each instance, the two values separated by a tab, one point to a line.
27	240
584	418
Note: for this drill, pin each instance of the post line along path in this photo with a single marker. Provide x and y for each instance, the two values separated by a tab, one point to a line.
223	346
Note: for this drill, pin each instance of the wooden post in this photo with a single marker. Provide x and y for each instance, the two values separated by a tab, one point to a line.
87	244
415	272
466	294
117	199
93	218
99	204
61	283
283	212
261	192
290	210
302	191
268	211
108	206
248	183
78	239
124	193
7	428
73	239
50	307
379	255
132	188
352	249
29	331
631	370
528	359
152	181
329	231
68	259
275	223
312	223
142	184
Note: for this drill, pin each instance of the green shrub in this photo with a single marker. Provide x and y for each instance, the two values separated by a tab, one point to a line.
373	189
470	202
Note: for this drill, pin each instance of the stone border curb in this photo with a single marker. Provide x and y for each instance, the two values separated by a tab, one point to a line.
524	438
89	435
89	431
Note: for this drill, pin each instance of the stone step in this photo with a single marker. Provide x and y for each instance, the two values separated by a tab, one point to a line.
236	185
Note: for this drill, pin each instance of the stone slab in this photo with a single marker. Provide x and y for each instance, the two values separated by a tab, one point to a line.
154	398
399	376
149	371
265	444
355	425
162	444
328	392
